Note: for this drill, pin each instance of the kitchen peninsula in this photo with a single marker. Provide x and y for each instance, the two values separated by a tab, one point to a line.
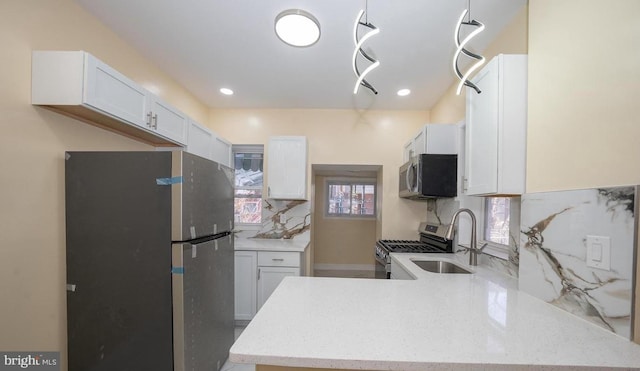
436	322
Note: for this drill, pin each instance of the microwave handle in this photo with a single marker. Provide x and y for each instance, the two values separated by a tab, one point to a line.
407	180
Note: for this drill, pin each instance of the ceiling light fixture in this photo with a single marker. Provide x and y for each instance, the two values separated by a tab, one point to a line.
460	48
358	50
226	91
297	27
404	92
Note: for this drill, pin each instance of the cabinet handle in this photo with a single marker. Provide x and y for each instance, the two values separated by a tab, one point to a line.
258	273
278	260
155	121
149	119
269	191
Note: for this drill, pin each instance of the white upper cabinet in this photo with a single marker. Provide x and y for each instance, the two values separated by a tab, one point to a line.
200	140
434	139
104	88
287	168
496	125
205	143
166	120
221	151
78	84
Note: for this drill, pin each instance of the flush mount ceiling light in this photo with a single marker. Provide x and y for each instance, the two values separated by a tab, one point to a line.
403	92
358	50
298	28
460	48
226	91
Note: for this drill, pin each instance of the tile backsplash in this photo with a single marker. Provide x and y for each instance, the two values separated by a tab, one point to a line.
553	257
282	220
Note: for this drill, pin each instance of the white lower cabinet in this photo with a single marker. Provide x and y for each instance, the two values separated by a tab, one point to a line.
257	274
399	273
269	278
245	284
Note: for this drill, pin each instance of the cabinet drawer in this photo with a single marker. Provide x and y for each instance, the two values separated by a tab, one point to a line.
278	259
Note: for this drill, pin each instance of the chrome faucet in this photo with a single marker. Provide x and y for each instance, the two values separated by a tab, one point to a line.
473	245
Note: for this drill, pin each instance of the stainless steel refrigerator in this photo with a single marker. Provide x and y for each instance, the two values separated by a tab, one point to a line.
149	261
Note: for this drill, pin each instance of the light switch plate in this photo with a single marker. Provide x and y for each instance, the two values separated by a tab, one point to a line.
283	218
599	252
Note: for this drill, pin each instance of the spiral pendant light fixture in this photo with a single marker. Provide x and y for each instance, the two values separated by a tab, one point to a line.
373	30
460	49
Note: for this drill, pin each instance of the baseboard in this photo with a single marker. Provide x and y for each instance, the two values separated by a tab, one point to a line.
345	267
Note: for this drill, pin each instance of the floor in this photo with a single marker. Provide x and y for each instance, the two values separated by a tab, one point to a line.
229	366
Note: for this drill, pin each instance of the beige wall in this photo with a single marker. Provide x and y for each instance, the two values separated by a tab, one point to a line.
341	137
341	240
450	108
32	145
583	125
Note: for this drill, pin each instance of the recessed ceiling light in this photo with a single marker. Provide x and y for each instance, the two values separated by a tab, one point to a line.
226	91
404	92
296	27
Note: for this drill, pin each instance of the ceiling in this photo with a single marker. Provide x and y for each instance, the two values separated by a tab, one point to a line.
209	44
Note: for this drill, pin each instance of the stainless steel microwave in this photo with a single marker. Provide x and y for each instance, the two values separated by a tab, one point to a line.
428	176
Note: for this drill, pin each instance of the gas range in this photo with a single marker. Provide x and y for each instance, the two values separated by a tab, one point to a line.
432	240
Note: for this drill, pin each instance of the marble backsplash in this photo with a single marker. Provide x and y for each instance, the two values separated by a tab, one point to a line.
281	219
553	256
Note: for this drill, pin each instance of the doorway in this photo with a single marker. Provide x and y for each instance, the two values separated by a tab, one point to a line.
346	218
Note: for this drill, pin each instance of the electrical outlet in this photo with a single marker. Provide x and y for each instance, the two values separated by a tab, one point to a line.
599	252
283	218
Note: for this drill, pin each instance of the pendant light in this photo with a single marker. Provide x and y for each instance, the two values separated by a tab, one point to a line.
373	30
460	48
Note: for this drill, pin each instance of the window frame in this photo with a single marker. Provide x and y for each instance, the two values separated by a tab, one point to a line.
493	248
249	148
350	182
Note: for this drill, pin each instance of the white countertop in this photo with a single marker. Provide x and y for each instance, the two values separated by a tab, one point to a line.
438	321
265	244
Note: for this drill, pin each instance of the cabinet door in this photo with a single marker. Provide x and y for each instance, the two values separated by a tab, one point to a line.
269	278
221	151
420	142
111	92
168	121
481	168
246	264
408	151
199	140
287	168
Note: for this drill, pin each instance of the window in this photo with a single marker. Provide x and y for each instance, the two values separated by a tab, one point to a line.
500	225
496	220
351	198
248	164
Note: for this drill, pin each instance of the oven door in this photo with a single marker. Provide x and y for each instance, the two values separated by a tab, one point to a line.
383	269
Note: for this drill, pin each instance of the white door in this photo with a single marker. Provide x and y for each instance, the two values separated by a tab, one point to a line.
168	121
221	151
269	278
482	134
199	140
111	92
287	168
246	263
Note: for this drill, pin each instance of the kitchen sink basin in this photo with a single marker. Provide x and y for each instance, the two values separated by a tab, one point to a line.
439	266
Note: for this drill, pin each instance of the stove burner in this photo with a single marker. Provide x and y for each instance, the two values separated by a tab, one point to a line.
408	246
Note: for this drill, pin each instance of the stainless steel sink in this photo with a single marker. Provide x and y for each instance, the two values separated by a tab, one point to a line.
439	266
